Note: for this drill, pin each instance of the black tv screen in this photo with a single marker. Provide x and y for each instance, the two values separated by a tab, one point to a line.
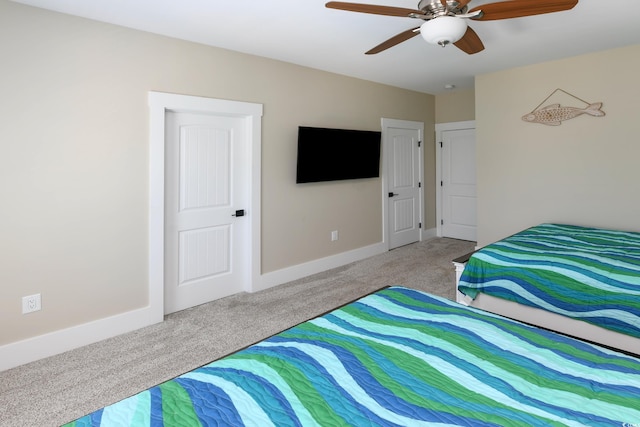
337	154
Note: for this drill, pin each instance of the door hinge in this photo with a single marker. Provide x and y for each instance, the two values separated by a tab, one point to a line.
440	144
419	225
419	185
442	222
441	184
419	143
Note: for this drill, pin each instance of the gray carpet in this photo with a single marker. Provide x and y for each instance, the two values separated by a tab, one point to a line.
62	388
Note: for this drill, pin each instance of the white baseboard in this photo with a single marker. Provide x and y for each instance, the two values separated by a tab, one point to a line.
278	277
36	348
429	233
50	344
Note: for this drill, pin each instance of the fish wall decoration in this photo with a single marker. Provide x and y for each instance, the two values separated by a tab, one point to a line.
555	114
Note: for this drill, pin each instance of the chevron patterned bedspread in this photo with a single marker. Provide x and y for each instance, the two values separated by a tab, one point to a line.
398	357
588	274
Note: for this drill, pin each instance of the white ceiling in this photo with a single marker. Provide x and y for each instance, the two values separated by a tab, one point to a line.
304	32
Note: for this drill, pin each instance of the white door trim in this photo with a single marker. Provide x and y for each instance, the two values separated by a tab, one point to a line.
405	124
443	127
159	104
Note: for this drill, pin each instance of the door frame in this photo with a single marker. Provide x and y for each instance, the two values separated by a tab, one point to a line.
386	153
440	128
159	104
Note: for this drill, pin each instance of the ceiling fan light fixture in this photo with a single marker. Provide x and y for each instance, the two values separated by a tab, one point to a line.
443	30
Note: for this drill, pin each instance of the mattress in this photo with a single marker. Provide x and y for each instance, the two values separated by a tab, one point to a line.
588	274
398	357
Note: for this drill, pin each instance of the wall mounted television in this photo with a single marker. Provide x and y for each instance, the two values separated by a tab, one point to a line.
337	154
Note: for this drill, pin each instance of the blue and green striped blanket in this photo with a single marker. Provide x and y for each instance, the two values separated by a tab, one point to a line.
398	357
589	274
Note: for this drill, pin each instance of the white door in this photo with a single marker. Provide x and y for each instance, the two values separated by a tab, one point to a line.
458	184
403	153
207	187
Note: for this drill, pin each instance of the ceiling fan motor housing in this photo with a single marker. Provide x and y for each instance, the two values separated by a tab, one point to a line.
435	7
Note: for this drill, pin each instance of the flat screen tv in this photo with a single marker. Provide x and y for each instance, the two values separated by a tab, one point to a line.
337	154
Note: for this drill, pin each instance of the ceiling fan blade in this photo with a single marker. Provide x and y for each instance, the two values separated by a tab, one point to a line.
520	8
372	8
470	42
397	39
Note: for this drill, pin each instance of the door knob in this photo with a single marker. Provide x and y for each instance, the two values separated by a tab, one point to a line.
239	212
391	194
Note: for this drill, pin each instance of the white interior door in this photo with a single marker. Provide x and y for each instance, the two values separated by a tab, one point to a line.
207	189
458	184
403	177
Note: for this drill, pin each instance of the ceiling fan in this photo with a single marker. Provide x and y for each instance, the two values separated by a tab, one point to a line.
445	20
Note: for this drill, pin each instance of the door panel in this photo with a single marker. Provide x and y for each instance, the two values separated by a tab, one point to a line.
206	182
203	253
459	184
404	213
205	156
403	186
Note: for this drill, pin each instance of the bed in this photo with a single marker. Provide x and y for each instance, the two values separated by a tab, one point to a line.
582	281
397	357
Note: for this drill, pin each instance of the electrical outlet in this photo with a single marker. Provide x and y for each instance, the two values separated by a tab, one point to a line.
31	303
334	235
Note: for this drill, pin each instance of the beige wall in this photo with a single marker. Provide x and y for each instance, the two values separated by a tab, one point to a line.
584	171
456	106
74	159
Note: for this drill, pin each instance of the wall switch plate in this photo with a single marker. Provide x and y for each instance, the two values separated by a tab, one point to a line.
334	235
31	303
